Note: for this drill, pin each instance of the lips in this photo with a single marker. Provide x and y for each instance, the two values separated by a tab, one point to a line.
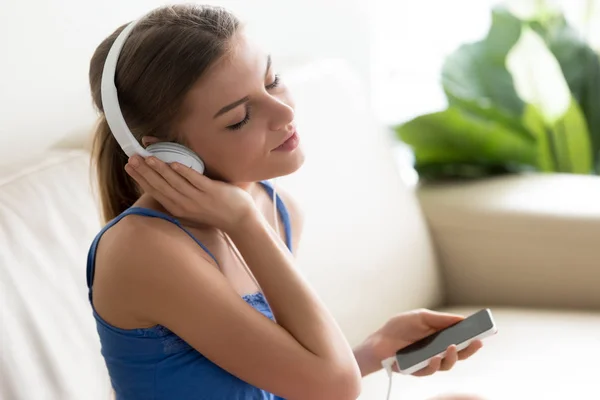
290	143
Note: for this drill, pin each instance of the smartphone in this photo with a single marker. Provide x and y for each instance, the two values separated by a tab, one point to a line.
416	356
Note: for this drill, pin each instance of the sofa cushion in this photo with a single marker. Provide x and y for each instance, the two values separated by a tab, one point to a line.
48	217
535	355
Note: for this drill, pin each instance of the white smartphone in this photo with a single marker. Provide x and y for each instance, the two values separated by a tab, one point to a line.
418	355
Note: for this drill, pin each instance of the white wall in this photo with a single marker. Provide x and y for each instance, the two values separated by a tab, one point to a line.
46	46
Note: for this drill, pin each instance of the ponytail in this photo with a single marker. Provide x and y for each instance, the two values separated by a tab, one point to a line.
117	190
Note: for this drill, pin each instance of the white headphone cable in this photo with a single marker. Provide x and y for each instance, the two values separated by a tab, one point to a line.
236	251
388	364
240	259
389	390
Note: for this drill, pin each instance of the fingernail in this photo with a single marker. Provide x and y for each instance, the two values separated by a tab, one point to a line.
175	166
151	161
134	162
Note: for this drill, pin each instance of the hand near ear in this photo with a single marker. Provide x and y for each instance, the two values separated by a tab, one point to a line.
189	195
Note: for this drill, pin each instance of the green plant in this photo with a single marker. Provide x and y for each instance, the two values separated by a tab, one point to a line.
525	98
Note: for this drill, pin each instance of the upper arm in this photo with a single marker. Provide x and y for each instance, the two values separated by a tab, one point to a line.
178	288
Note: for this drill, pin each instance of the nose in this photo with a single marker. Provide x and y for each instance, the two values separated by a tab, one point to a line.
282	115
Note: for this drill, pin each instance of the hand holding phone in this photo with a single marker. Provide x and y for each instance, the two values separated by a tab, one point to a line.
417	356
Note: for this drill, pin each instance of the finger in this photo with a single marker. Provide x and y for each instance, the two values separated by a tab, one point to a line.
450	359
198	180
136	177
175	180
166	202
155	182
439	320
470	350
432	368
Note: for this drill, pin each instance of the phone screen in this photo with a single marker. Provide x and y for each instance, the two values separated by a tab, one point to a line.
438	342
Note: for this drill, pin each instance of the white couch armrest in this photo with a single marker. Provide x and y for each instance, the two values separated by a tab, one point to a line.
520	240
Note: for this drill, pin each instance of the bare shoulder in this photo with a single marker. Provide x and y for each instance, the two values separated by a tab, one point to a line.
139	238
132	256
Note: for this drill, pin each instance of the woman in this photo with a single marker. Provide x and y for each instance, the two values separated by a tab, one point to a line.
194	293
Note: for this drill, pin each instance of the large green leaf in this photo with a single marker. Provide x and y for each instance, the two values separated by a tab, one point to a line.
454	136
581	68
512	122
538	77
540	81
514	104
476	72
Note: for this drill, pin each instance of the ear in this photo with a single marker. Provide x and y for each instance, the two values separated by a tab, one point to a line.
148	140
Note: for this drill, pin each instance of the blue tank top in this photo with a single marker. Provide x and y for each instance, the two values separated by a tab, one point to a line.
154	363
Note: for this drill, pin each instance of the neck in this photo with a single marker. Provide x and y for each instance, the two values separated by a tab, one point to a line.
247	186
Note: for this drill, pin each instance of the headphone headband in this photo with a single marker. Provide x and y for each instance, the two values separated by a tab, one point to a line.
110	99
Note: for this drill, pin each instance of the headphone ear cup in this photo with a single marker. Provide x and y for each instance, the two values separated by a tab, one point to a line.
174	152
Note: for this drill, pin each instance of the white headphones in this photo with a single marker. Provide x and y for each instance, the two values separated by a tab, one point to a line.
165	151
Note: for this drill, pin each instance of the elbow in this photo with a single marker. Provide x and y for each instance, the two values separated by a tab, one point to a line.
327	381
343	384
351	386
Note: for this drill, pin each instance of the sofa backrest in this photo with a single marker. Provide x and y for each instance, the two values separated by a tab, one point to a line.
365	245
48	216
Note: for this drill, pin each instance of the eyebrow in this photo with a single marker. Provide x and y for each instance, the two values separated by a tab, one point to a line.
243	100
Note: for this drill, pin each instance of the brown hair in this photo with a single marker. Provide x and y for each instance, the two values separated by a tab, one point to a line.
165	54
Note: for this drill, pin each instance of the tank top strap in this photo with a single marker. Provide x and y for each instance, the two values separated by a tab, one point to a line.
132	211
283	213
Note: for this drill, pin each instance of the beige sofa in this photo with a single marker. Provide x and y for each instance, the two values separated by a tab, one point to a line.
527	247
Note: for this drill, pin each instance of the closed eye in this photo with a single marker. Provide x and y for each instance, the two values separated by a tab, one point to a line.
243	122
274	84
246	119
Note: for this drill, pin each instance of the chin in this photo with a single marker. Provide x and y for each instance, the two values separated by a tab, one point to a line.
283	166
278	167
293	163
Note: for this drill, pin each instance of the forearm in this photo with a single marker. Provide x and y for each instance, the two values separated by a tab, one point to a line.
295	305
367	363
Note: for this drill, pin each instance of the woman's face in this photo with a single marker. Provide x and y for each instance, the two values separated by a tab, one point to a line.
239	118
